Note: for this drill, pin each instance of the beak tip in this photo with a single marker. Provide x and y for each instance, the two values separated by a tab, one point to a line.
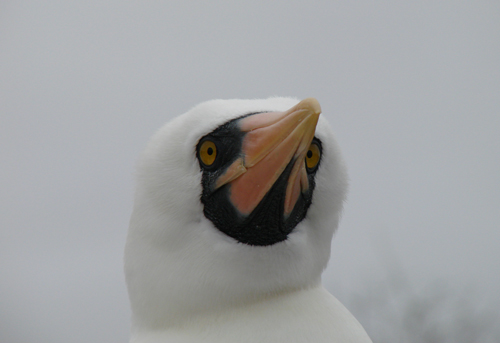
310	104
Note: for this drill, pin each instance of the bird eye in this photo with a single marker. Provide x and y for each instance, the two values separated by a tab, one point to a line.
207	152
312	156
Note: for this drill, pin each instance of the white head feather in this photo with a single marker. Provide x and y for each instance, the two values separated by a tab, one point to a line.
179	265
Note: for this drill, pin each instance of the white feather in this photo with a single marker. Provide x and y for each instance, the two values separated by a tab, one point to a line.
188	282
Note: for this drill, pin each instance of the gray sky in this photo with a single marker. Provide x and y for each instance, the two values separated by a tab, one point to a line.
412	90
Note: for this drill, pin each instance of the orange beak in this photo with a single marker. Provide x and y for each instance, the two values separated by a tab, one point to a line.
271	142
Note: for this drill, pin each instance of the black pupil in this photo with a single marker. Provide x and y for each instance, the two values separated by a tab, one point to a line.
210	151
309	154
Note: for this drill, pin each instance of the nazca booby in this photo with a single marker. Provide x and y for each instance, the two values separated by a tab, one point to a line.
235	208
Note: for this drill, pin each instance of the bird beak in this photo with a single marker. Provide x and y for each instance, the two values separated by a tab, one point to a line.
272	141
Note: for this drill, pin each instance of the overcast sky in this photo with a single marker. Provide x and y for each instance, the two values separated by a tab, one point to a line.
412	90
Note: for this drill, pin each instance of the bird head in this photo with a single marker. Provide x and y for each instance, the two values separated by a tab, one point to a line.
236	200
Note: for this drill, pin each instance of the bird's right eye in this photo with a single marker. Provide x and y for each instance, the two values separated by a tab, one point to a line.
207	153
313	156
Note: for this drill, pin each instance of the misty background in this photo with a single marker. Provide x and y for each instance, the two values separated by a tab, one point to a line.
411	89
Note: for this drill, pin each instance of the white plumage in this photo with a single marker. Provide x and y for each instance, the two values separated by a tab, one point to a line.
190	282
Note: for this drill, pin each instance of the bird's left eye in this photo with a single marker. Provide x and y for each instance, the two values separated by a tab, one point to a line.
207	152
312	157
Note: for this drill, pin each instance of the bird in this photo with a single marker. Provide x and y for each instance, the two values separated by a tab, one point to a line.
235	207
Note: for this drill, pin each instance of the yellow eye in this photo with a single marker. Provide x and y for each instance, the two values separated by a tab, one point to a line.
207	152
312	156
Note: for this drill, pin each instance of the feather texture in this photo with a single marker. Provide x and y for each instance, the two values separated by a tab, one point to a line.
189	282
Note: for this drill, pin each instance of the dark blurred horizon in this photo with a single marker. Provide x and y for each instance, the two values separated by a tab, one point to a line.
411	90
